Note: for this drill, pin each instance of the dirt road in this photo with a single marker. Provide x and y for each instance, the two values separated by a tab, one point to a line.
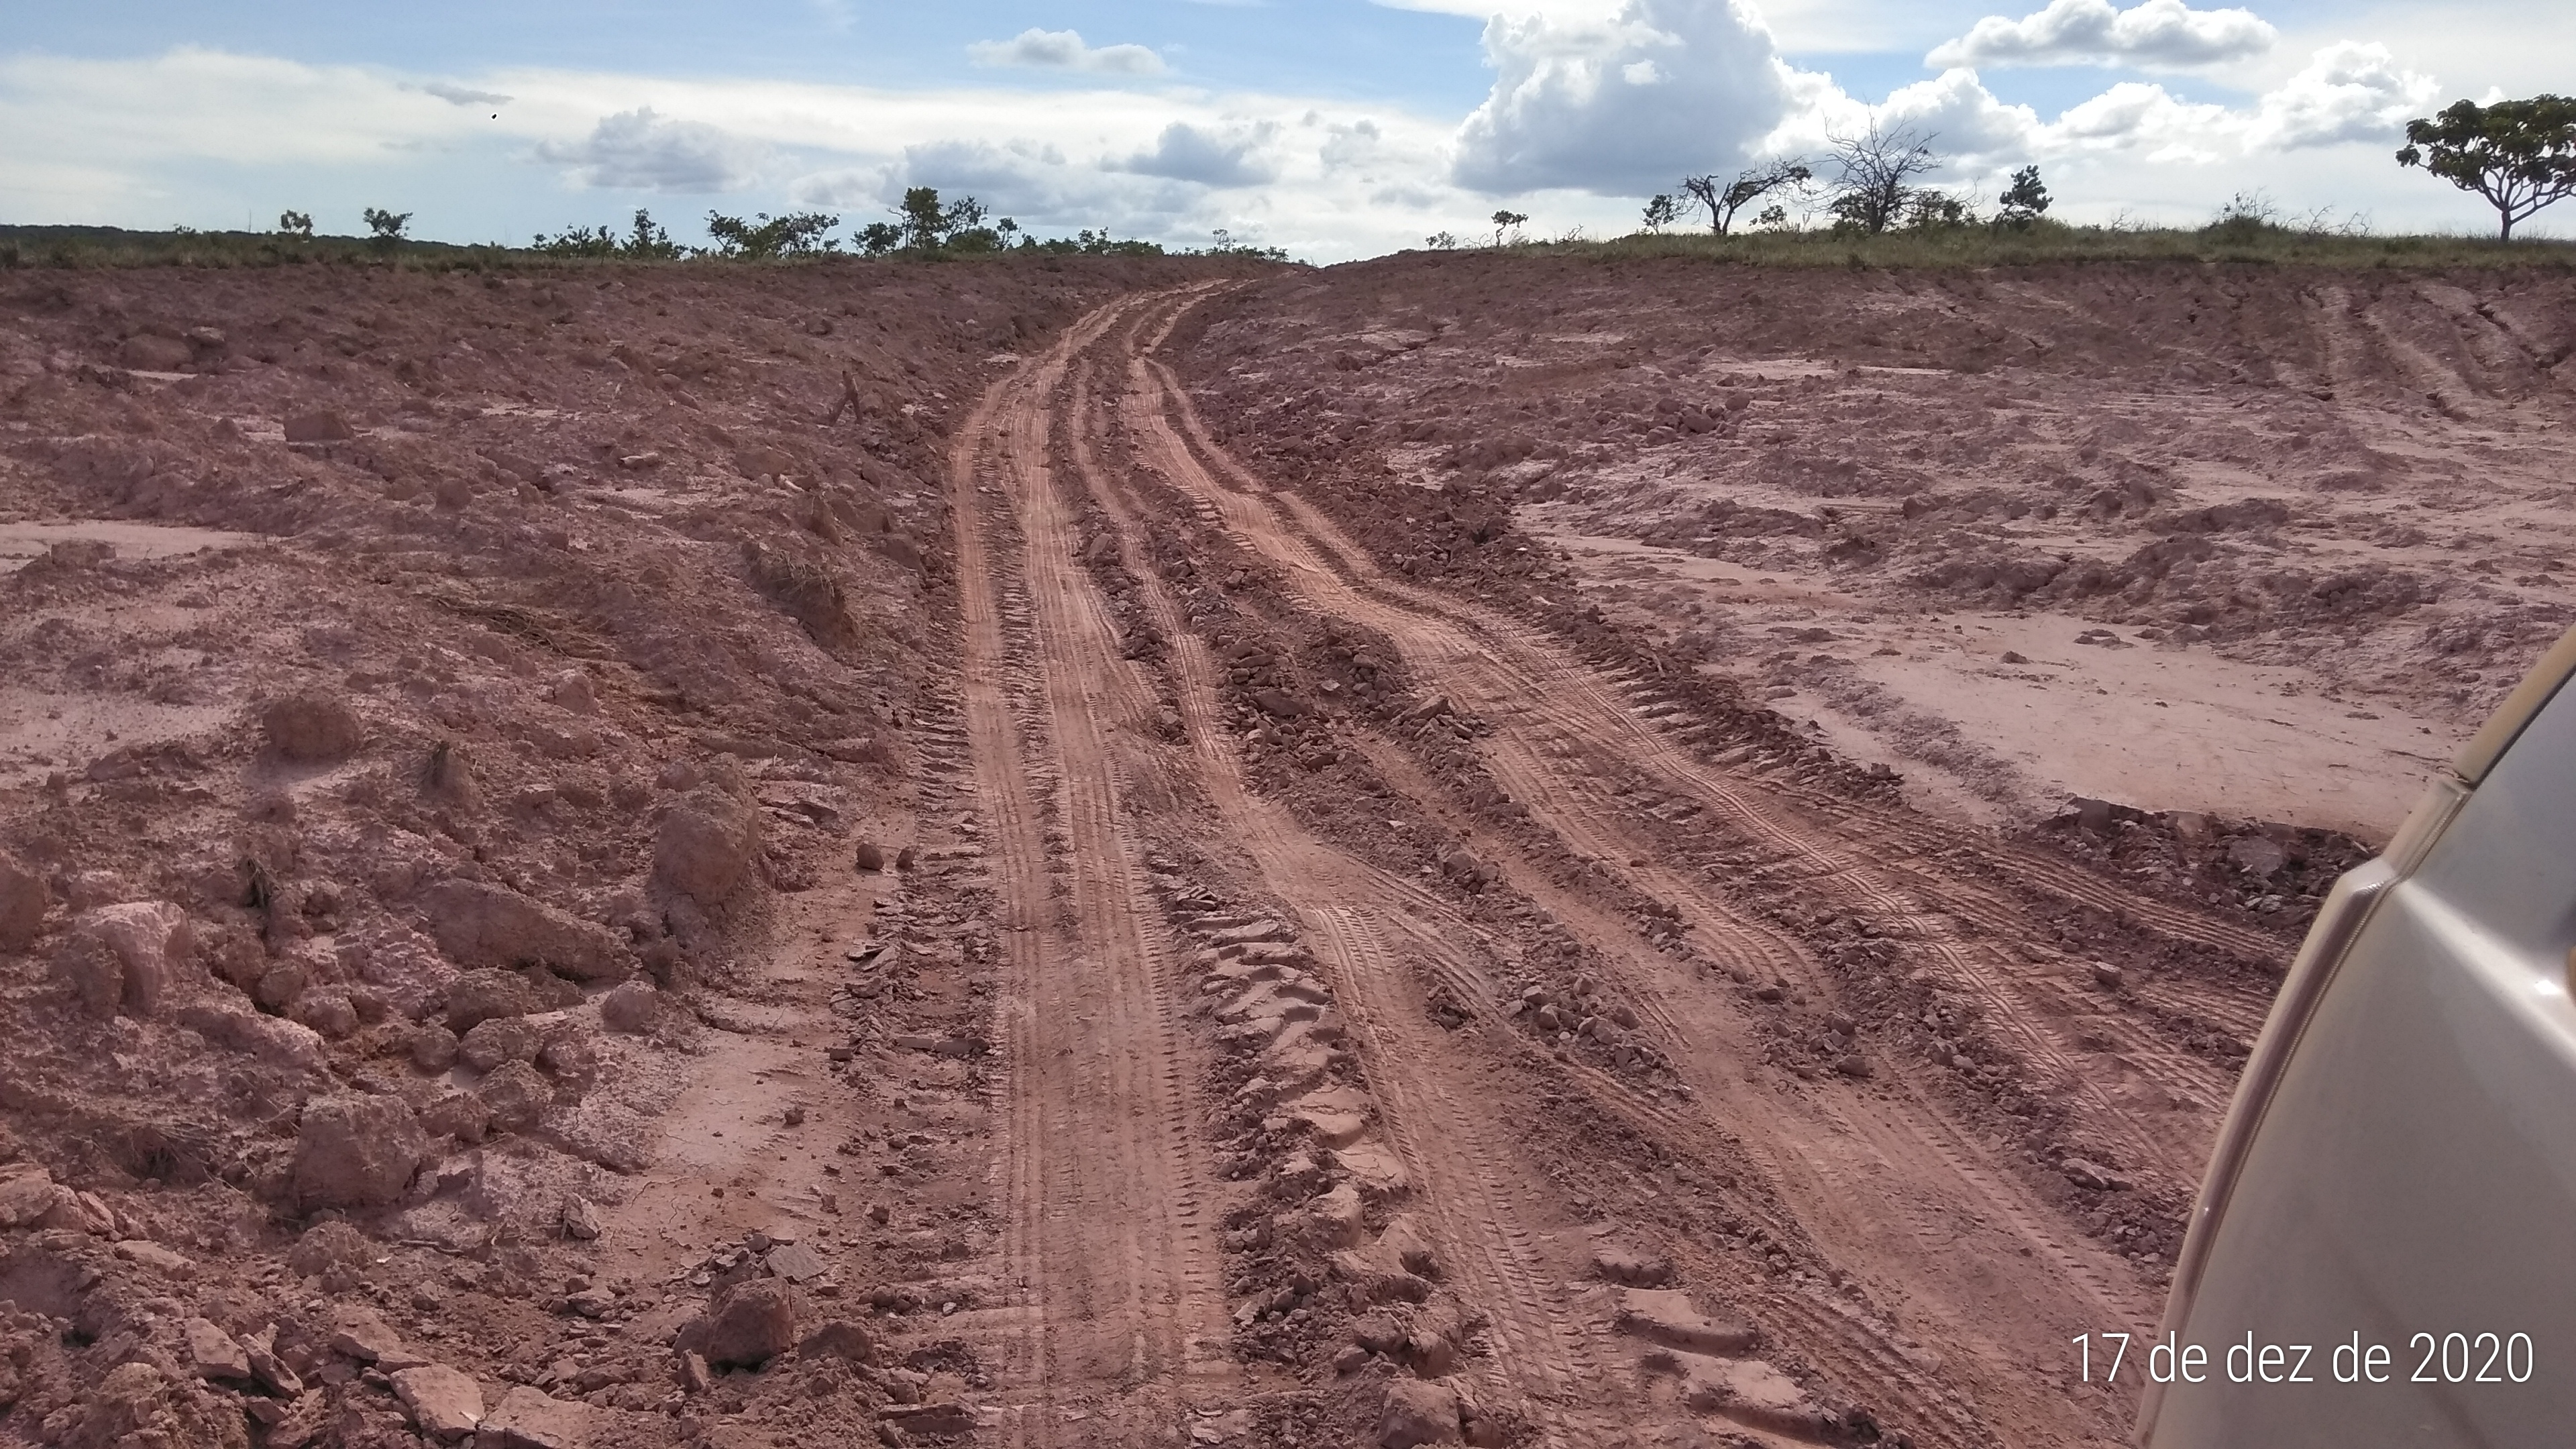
1859	1112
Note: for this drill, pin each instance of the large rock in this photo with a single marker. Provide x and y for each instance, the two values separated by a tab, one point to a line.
356	1152
753	1323
481	995
312	728
120	958
489	925
706	846
1417	1412
23	898
215	1354
840	1338
444	1404
321	426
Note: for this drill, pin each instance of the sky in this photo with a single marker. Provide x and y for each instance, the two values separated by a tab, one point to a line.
1333	129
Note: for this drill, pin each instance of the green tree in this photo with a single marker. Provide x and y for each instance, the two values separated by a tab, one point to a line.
387	226
879	237
2024	200
797	234
295	223
1506	221
1662	212
2519	155
1723	202
648	242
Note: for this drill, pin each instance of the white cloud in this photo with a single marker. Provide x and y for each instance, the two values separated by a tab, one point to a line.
1064	50
2153	35
2349	92
465	96
640	151
1622	105
1210	157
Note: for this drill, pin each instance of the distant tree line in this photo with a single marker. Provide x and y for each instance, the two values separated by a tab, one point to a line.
923	225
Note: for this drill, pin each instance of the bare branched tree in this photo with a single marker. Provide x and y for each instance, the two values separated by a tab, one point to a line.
1878	168
1722	202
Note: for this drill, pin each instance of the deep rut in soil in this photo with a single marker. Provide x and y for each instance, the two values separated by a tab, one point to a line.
1901	1255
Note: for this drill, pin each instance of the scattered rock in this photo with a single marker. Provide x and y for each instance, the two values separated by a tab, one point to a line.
797	1263
361	1333
871	856
464	1116
580	1220
356	1152
2014	656
444	1404
753	1323
490	926
2107	975
1417	1412
2257	855
29	1197
312	728
119	959
273	1040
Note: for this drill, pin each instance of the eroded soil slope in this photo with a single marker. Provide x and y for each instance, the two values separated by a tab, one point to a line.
2244	541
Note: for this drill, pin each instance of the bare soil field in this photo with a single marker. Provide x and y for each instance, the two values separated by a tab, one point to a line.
1456	849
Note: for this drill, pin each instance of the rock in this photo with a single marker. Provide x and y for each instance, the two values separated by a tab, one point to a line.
213	1354
319	427
839	1338
2092	816
327	1010
871	856
517	1096
705	847
1417	1412
2084	1172
432	1047
1281	704
1621	1264
479	996
464	1116
136	1404
119	959
23	899
2011	656
271	1039
502	1039
490	926
2257	855
361	1333
797	1263
528	1419
569	1053
311	728
356	1152
2107	975
1667	1316
904	858
942	1420
1853	1064
29	1196
630	1007
580	1220
2191	825
693	1373
444	1404
1337	1216
156	1257
753	1323
1407	1244
145	352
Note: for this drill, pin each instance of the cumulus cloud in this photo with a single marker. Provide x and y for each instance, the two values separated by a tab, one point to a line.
1064	50
2154	35
640	151
1623	105
1211	158
2348	92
